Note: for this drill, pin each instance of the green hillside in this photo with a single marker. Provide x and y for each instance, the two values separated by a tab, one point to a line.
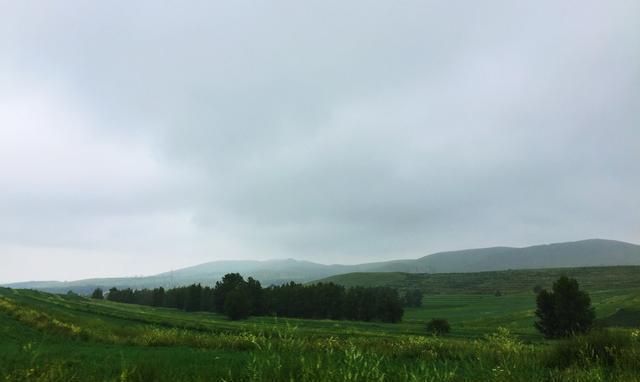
514	281
584	253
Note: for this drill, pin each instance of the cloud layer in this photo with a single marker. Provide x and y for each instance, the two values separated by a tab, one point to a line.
140	137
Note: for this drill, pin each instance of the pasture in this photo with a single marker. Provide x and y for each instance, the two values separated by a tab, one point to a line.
49	337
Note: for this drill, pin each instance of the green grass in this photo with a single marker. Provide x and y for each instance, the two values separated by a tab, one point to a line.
512	281
473	315
46	337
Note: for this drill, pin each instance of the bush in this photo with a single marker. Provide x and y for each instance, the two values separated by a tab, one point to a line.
502	343
600	346
438	326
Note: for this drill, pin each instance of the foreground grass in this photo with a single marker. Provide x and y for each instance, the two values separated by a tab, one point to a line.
61	338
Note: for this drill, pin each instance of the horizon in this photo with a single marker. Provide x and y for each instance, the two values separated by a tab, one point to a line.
137	138
314	262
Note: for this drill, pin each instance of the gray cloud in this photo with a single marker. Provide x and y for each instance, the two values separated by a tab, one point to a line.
333	132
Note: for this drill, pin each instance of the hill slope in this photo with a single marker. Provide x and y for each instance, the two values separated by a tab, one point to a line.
510	281
586	253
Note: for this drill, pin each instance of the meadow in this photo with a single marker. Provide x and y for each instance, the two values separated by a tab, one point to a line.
517	281
46	337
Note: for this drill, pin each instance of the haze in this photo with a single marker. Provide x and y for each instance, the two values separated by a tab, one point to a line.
141	137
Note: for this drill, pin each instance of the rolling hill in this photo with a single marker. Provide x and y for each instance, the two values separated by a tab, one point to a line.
585	253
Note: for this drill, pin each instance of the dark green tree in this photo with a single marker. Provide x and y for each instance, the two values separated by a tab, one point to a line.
389	305
564	311
158	297
193	300
207	299
97	294
546	314
229	282
237	305
256	296
113	294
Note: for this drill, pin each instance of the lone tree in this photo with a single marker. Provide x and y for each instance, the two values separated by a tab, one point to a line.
564	311
97	294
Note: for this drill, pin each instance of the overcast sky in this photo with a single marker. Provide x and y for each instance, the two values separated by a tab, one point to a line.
137	137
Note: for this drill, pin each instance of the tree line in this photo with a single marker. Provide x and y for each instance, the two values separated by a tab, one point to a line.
239	298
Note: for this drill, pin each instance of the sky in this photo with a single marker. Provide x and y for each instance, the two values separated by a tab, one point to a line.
138	137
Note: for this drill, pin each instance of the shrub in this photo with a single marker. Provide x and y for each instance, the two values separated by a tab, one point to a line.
502	343
438	326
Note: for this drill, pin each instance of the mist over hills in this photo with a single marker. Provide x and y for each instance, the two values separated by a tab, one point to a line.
585	253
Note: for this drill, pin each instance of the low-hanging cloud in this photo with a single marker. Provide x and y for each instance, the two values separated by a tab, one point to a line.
164	135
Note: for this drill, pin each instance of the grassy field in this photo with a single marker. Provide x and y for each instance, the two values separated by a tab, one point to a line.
513	281
48	337
473	315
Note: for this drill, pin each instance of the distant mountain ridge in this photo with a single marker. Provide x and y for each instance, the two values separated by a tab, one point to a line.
585	253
